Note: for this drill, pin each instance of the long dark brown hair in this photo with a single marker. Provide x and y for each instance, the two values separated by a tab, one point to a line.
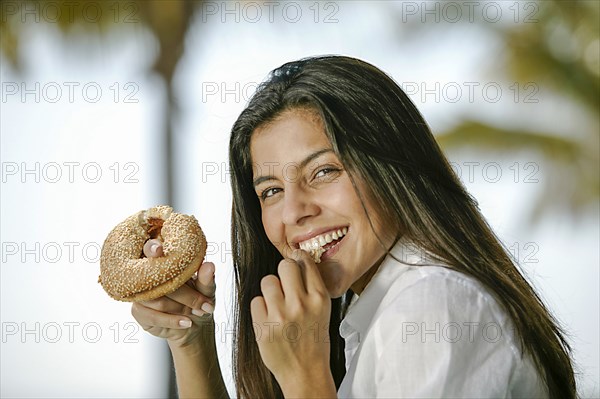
380	138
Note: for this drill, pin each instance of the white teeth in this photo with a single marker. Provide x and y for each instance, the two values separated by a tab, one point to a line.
315	244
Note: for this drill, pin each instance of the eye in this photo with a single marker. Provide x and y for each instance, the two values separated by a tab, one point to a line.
328	172
268	192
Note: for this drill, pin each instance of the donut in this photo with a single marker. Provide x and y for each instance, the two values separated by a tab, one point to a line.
126	274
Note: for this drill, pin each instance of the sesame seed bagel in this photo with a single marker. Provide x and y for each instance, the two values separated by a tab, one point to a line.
127	275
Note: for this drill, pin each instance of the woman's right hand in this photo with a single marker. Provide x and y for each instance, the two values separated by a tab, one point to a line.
185	316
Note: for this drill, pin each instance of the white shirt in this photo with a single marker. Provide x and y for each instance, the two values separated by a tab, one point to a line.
431	332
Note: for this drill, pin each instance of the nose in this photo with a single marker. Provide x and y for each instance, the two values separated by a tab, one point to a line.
298	205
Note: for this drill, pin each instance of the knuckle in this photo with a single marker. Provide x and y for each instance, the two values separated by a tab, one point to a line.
161	305
138	311
276	317
287	261
153	321
285	266
255	301
297	309
318	299
197	302
205	289
269	281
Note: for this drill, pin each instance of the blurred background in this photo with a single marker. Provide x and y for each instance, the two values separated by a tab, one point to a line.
109	107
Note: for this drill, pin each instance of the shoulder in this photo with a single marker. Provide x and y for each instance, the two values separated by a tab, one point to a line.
449	303
441	333
437	332
436	285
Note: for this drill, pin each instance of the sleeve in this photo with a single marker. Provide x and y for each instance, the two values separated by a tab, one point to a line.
443	337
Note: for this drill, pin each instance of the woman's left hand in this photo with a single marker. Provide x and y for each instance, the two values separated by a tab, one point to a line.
291	324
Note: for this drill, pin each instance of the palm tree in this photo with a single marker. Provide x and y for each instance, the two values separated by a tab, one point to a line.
556	45
169	22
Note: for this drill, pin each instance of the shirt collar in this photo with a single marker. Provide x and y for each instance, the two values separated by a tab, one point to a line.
362	307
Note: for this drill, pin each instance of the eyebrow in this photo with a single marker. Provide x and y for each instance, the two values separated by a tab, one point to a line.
302	165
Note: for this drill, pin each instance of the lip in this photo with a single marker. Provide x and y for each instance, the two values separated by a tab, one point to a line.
295	243
333	250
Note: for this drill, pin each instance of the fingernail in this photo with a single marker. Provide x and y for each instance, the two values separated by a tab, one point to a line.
185	323
212	268
198	312
207	307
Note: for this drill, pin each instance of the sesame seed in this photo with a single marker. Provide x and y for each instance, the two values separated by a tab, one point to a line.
123	269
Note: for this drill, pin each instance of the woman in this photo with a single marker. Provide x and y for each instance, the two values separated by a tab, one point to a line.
412	296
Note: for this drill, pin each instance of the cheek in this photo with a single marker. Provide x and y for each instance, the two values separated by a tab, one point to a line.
346	201
340	195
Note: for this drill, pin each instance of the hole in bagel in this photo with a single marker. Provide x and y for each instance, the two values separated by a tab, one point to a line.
154	230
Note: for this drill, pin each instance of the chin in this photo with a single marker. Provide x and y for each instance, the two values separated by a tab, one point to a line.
333	280
335	290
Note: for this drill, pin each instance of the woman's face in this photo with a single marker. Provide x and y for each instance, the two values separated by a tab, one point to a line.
306	194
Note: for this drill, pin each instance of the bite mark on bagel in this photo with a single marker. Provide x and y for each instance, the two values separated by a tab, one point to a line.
155	226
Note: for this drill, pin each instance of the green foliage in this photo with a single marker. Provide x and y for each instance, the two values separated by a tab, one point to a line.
560	52
167	20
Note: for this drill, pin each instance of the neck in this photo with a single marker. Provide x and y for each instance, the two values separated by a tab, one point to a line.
360	284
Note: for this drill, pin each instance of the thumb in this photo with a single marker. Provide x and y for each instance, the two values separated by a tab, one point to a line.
205	282
153	248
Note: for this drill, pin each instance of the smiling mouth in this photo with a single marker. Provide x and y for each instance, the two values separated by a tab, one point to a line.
320	244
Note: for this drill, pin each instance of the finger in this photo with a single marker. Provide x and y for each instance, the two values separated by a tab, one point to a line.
166	305
292	279
310	271
258	309
148	318
272	292
153	248
191	298
205	281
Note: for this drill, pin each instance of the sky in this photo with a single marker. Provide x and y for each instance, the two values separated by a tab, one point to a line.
79	126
